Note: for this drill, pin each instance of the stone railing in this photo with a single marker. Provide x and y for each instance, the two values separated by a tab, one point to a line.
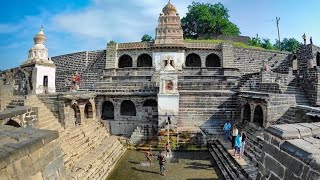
24	116
272	77
131	71
135	45
201	46
190	71
291	151
30	154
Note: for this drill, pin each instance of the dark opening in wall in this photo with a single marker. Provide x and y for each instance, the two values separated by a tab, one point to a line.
125	61
127	108
77	114
193	60
13	123
107	110
246	113
258	115
152	103
318	59
213	60
144	60
88	112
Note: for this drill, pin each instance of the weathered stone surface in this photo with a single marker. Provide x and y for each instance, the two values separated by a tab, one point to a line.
300	149
314	129
284	131
304	131
274	166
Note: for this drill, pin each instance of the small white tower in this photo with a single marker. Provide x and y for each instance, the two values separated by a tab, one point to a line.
43	69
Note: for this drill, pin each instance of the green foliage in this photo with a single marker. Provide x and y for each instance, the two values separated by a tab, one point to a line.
266	44
146	38
255	41
112	42
290	45
207	19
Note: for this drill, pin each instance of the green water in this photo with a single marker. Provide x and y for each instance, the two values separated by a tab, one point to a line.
190	165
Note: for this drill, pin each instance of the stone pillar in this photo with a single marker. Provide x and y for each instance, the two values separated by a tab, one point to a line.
111	56
227	60
82	115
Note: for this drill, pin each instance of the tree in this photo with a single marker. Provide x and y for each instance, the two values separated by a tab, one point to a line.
266	44
255	41
146	38
207	19
290	45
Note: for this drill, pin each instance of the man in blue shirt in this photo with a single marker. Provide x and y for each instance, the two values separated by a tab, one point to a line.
226	129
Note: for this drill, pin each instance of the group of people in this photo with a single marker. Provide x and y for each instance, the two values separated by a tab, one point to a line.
238	140
160	157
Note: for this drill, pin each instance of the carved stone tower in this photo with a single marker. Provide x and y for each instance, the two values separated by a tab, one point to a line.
40	69
169	30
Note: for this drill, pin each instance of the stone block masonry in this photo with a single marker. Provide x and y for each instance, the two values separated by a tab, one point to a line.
24	116
291	151
84	63
30	154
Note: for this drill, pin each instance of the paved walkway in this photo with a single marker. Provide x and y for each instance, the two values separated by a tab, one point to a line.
183	166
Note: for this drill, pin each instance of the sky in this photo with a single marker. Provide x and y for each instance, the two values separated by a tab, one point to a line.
82	25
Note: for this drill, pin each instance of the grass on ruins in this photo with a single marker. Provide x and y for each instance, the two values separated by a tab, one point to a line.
215	41
185	165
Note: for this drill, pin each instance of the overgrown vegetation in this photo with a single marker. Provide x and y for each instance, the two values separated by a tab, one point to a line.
215	41
205	19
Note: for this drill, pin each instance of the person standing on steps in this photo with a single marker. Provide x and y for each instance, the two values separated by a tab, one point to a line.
226	129
234	135
162	160
244	137
237	145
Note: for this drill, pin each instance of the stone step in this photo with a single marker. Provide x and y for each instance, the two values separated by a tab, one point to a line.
87	165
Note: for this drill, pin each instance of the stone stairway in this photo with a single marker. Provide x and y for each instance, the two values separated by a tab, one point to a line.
46	119
89	152
288	117
230	166
139	134
197	107
254	142
301	98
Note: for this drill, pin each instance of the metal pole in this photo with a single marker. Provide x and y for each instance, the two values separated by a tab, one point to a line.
168	131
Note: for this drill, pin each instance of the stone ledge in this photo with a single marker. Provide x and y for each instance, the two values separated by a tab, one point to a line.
18	142
284	131
303	150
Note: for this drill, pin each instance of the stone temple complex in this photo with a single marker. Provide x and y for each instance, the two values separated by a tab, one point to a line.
75	114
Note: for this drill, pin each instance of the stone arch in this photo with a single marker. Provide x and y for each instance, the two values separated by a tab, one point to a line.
128	108
77	113
13	123
213	60
318	58
246	113
258	115
107	110
193	60
125	61
144	60
88	110
20	83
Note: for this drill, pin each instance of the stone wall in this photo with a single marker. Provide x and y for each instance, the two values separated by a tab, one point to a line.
125	124
291	152
273	106
84	63
24	116
30	154
311	83
6	93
